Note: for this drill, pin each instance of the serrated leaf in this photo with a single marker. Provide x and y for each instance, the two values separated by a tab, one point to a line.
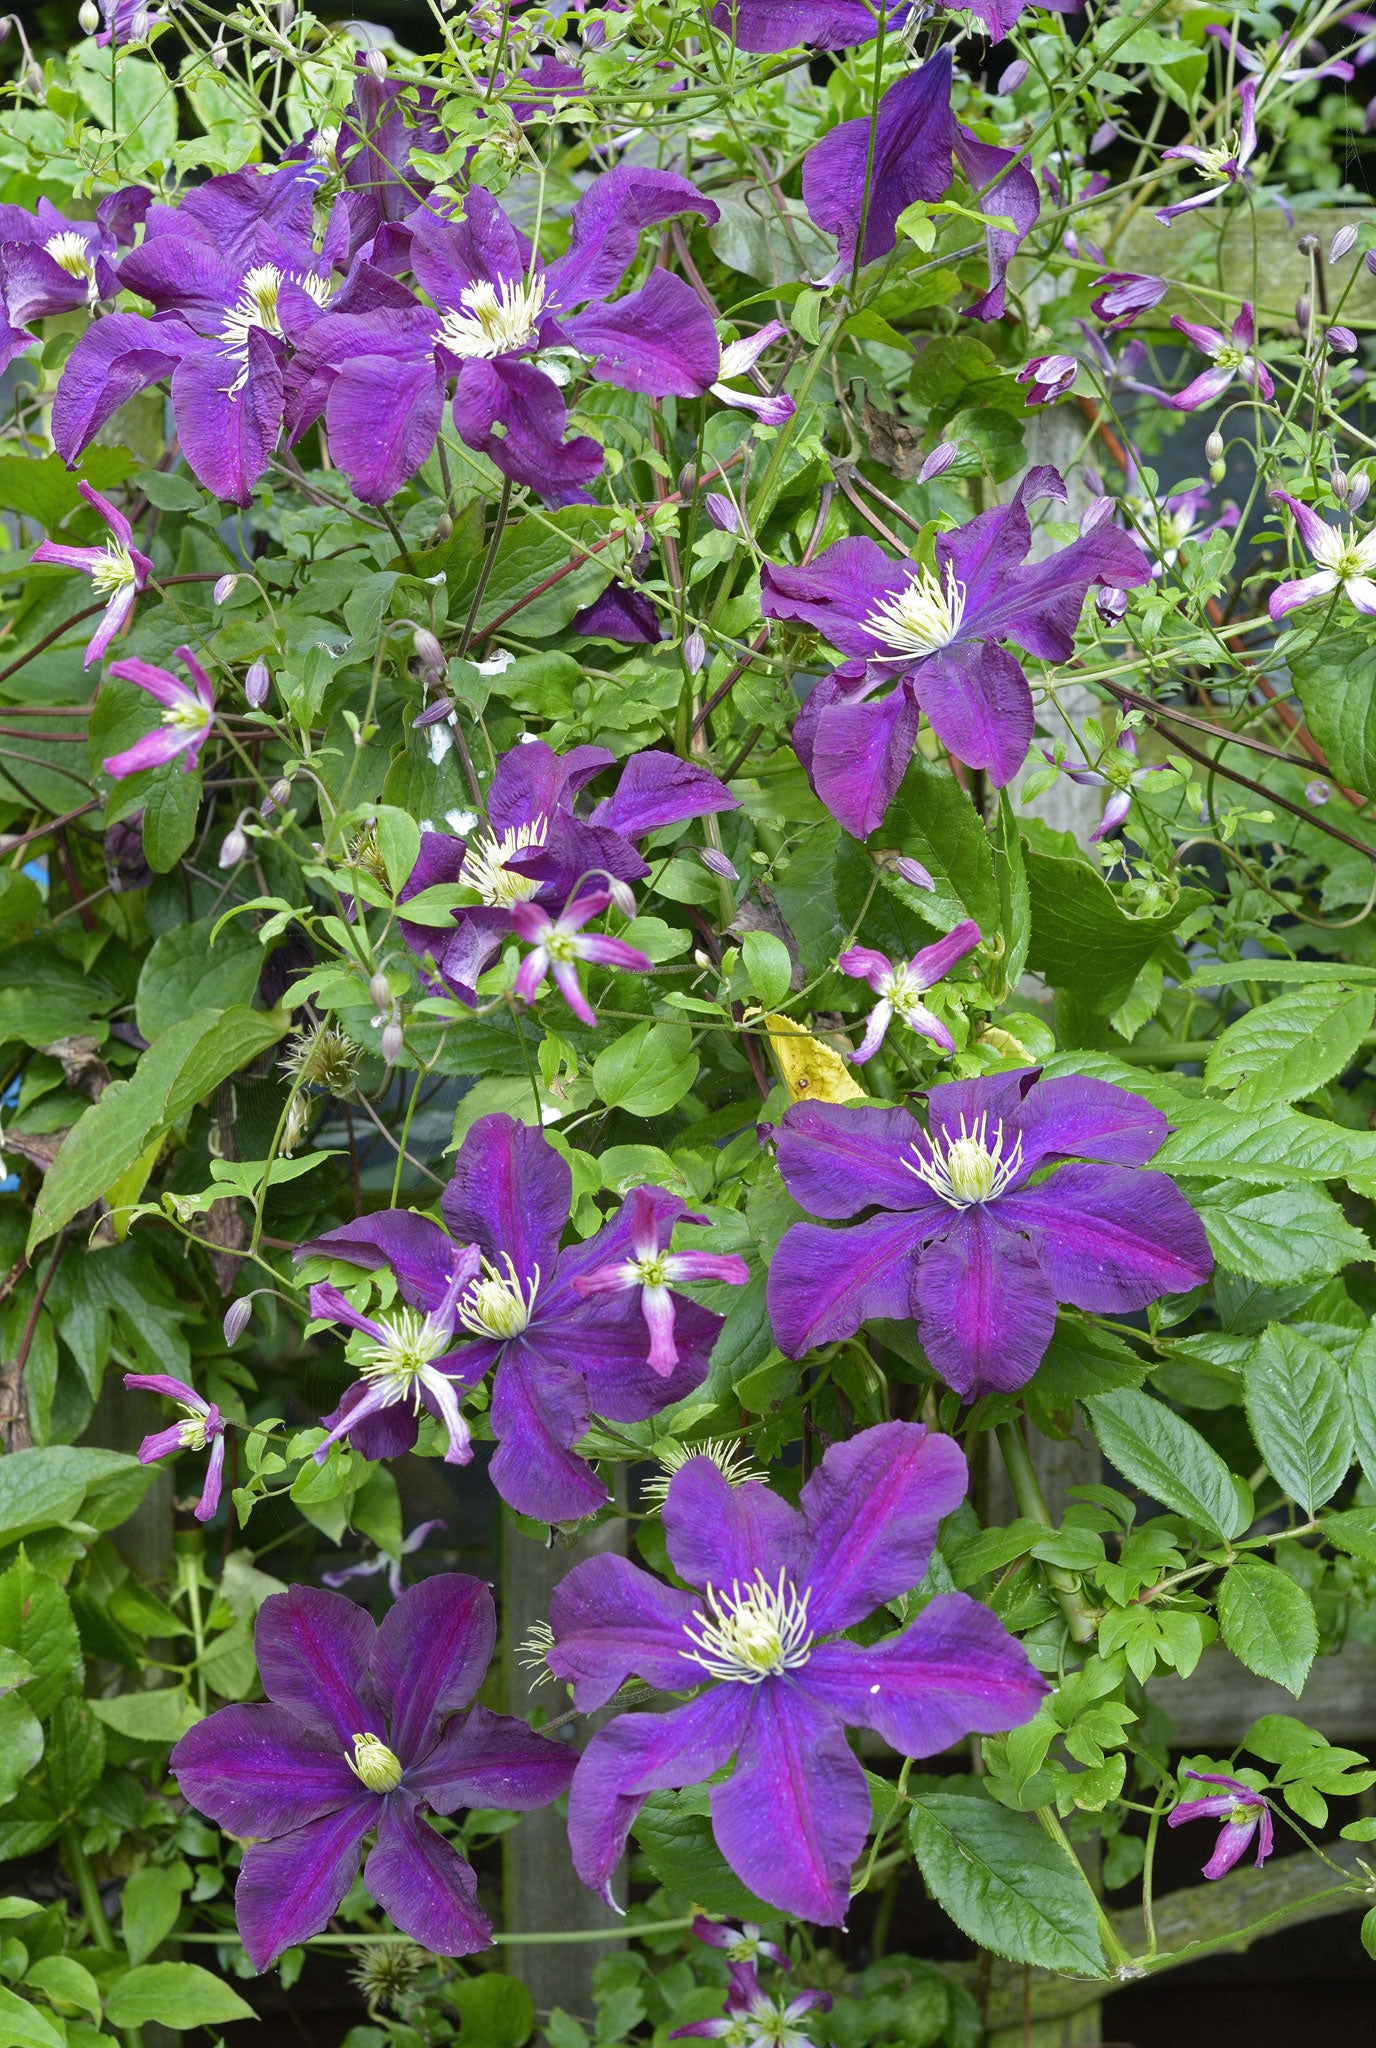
1006	1884
1299	1414
1290	1047
178	1995
1163	1454
1268	1622
680	1849
1361	1386
1280	1235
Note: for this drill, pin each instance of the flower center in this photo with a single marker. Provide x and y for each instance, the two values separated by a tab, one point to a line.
72	252
192	1433
485	864
411	1343
1221	160
498	1305
1231	357
730	1459
493	319
256	306
373	1764
971	1168
651	1272
115	571
1245	1814
901	989
752	1632
188	714
1348	562
923	617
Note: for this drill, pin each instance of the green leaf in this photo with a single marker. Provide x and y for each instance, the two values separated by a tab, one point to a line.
36	1620
1299	1414
1280	1235
176	1995
1015	899
1160	1452
65	1981
149	1905
1083	939
497	2011
680	1849
648	1070
21	1744
1268	1622
768	966
1005	1883
161	1716
76	1754
1292	1046
171	807
534	551
1336	683
184	972
932	820
1361	1387
1282	1147
23	2026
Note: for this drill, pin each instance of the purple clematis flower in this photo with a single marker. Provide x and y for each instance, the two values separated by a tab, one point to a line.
1231	356
936	636
1048	378
738	359
651	1271
1275	63
900	989
117	571
127	21
751	2019
385	121
370	1567
742	1946
410	1360
778	1585
49	264
536	848
1244	1813
557	1357
188	711
557	944
961	1239
381	378
852	175
204	1425
1122	295
1345	563
365	1728
1226	163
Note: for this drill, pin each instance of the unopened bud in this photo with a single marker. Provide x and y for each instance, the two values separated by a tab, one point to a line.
5	20
940	460
376	64
1316	792
380	993
1338	483
1304	314
1213	447
428	651
237	1318
88	15
1111	604
701	959
392	1040
716	863
324	143
219	55
276	799
1217	472
225	587
1342	244
1357	488
286	14
234	847
1308	245
1341	341
623	896
1012	77
912	871
257	683
140	25
722	512
33	81
444	527
694	652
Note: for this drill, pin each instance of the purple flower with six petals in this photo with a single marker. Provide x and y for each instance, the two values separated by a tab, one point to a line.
900	989
1244	1813
365	1728
651	1271
777	1586
410	1359
186	718
203	1425
117	571
960	1238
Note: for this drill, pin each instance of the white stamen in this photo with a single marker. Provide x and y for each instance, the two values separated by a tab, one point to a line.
72	252
188	714
485	864
192	1432
256	306
115	571
921	618
903	989
399	1363
532	1652
751	1633
373	1764
972	1168
498	1305
730	1459
493	320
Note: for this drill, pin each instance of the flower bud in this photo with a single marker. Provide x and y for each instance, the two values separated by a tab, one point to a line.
286	15
257	683
444	527
722	512
324	143
1111	604
1317	792
88	15
375	63
277	798
234	846
140	25
1308	245
5	20
1342	243
1102	136
938	462
694	652
1012	77
623	896
237	1318
717	864
392	1038
1304	314
225	587
380	993
219	55
1357	488
1213	447
701	959
428	652
912	871
33	81
1217	472
1338	484
1341	341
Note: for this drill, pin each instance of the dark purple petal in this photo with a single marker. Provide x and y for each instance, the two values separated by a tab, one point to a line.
859	751
998	1098
486	1759
510	1194
607	223
531	449
979	705
313	1649
288	1888
837	592
907	157
115	358
1234	1840
1014	194
613	1345
985	1311
432	1651
424	1885
261	1770
166	1383
540	1409
659	789
1111	1239
661	339
824	1284
793	1816
227	435
417	1251
385	1433
872	1510
1079	1118
620	614
955	1672
482	247
765	27
643	1753
612	1622
836	1160
383	417
718	1533
209	1501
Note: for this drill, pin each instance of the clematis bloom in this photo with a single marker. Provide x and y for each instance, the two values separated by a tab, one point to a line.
557	944
411	1360
188	710
366	1727
1231	356
203	1426
1225	163
1244	1814
1345	562
961	1239
118	571
1121	295
900	989
762	1635
651	1271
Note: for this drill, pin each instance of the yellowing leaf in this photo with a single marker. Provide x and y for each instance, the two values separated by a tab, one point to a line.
811	1071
